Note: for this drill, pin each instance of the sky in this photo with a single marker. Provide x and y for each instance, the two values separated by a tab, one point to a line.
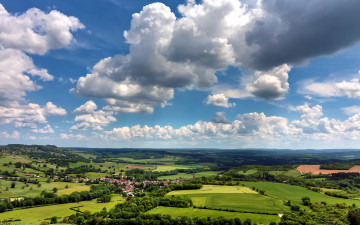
229	74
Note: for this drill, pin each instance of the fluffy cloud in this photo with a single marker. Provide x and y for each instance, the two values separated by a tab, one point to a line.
252	129
35	31
350	89
73	136
14	135
272	84
29	115
46	130
14	65
293	31
248	125
351	110
220	117
89	118
219	100
88	107
168	52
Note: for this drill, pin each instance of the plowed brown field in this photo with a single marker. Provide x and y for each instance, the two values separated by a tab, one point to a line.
315	169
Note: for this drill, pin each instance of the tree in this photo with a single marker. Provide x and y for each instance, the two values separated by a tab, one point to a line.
55	189
104	198
306	201
13	184
53	220
354	216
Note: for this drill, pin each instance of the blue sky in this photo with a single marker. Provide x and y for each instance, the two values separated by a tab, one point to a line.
180	74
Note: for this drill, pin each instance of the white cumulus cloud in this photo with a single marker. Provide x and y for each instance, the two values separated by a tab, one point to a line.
219	100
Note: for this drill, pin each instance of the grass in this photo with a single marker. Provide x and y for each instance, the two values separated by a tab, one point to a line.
33	190
165	160
185	175
245	203
94	175
84	154
192	212
161	168
247	172
236	198
294	193
35	215
215	189
290	173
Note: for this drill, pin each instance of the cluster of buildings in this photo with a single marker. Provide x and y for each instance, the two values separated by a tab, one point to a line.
129	186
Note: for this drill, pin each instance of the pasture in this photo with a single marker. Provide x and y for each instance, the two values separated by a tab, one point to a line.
247	172
236	198
189	175
161	168
33	190
35	215
194	212
294	193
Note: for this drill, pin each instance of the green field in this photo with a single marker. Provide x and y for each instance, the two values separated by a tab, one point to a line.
294	193
37	214
247	172
215	189
185	175
193	212
236	198
33	190
165	160
161	168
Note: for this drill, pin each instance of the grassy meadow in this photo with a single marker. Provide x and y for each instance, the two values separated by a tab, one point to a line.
237	198
190	175
294	193
195	212
35	215
33	190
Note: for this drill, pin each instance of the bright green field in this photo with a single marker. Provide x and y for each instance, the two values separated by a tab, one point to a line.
247	172
237	198
27	192
215	189
36	215
295	193
161	168
93	175
184	175
191	212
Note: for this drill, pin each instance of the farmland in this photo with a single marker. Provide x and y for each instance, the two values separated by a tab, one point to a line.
236	198
35	215
195	212
285	192
32	190
193	184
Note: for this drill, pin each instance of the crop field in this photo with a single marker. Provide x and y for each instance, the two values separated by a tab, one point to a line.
161	168
33	190
35	215
93	175
236	198
185	175
131	166
294	193
215	189
193	212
